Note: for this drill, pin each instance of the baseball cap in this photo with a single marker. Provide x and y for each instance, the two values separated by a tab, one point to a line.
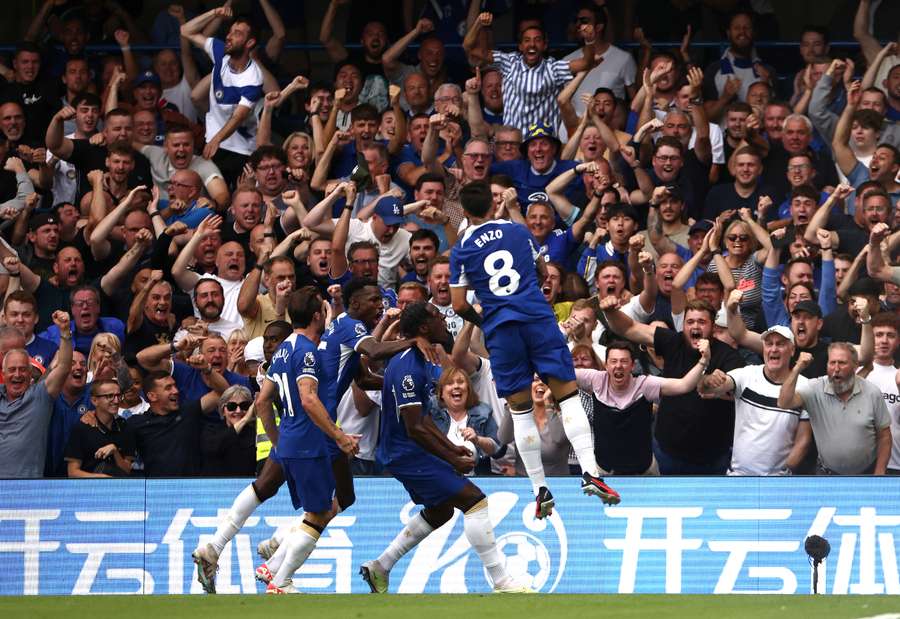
253	351
780	330
390	210
147	76
866	287
41	219
810	307
702	225
675	192
360	176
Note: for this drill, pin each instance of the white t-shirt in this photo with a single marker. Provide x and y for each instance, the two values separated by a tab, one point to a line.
179	95
230	318
763	432
352	422
716	137
454	321
615	72
390	254
227	91
65	179
884	377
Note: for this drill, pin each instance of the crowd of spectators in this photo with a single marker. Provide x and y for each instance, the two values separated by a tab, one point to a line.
157	211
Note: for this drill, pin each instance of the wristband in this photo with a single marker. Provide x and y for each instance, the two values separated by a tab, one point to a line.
172	348
268	235
155	214
260	267
11	274
716	252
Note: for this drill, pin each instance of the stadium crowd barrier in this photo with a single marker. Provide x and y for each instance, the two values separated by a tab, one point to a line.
673	535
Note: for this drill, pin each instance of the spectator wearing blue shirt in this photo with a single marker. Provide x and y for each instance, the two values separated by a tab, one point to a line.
185	203
20	312
540	166
72	402
557	245
87	321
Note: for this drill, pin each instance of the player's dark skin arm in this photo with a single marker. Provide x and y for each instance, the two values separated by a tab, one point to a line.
381	350
462	307
422	430
265	412
366	379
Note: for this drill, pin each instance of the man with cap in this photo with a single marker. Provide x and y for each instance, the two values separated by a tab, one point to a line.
768	439
39	253
806	325
538	167
147	95
383	228
849	418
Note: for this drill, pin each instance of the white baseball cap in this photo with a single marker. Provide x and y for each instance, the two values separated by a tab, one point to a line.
781	330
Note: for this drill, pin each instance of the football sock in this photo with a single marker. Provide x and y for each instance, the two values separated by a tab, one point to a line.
528	446
300	544
578	431
480	533
275	561
241	509
414	532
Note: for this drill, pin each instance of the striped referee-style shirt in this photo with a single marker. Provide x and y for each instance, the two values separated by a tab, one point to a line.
529	93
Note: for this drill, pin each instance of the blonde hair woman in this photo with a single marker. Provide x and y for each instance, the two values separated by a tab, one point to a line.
104	357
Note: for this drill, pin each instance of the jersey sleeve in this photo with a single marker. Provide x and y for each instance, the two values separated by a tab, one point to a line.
457	270
410	387
355	333
306	364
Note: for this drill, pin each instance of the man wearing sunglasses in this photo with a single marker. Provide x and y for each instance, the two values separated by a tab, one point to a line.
107	448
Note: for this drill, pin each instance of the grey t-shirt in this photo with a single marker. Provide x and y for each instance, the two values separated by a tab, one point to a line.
162	169
23	432
845	432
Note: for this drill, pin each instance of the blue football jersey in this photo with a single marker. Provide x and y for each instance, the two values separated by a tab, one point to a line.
408	381
496	260
297	358
340	361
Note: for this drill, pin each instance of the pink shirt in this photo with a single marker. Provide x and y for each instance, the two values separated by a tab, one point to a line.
597	381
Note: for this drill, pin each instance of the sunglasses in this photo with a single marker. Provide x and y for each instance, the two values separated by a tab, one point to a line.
738	237
233	406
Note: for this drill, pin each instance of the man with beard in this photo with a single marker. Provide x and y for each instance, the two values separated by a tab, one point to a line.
209	298
36	95
71	403
693	436
439	289
883	373
235	90
746	190
431	56
373	38
150	318
43	242
530	82
730	76
623	408
26	406
177	153
768	439
229	270
666	227
883	168
168	434
850	420
84	156
423	247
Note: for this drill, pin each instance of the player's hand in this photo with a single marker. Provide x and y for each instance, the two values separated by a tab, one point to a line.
463	461
803	361
427	350
348	443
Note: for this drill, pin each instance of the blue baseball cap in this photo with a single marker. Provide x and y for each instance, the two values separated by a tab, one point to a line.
390	209
147	76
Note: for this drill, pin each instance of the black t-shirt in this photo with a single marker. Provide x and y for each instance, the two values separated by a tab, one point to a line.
358	58
775	171
84	441
148	334
226	453
852	239
623	437
839	326
693	201
86	157
39	100
819	365
687	426
169	444
724	197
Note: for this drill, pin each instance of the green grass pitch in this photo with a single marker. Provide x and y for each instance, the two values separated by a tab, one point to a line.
442	606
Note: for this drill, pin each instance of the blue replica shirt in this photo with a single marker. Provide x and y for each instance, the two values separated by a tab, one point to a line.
191	217
191	386
388	295
82	341
531	186
408	381
559	245
65	416
340	361
496	261
297	358
42	350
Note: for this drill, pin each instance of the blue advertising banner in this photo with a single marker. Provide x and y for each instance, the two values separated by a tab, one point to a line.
669	535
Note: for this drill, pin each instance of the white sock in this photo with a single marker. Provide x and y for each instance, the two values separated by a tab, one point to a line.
274	562
300	544
528	446
480	533
244	505
282	532
414	532
578	431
